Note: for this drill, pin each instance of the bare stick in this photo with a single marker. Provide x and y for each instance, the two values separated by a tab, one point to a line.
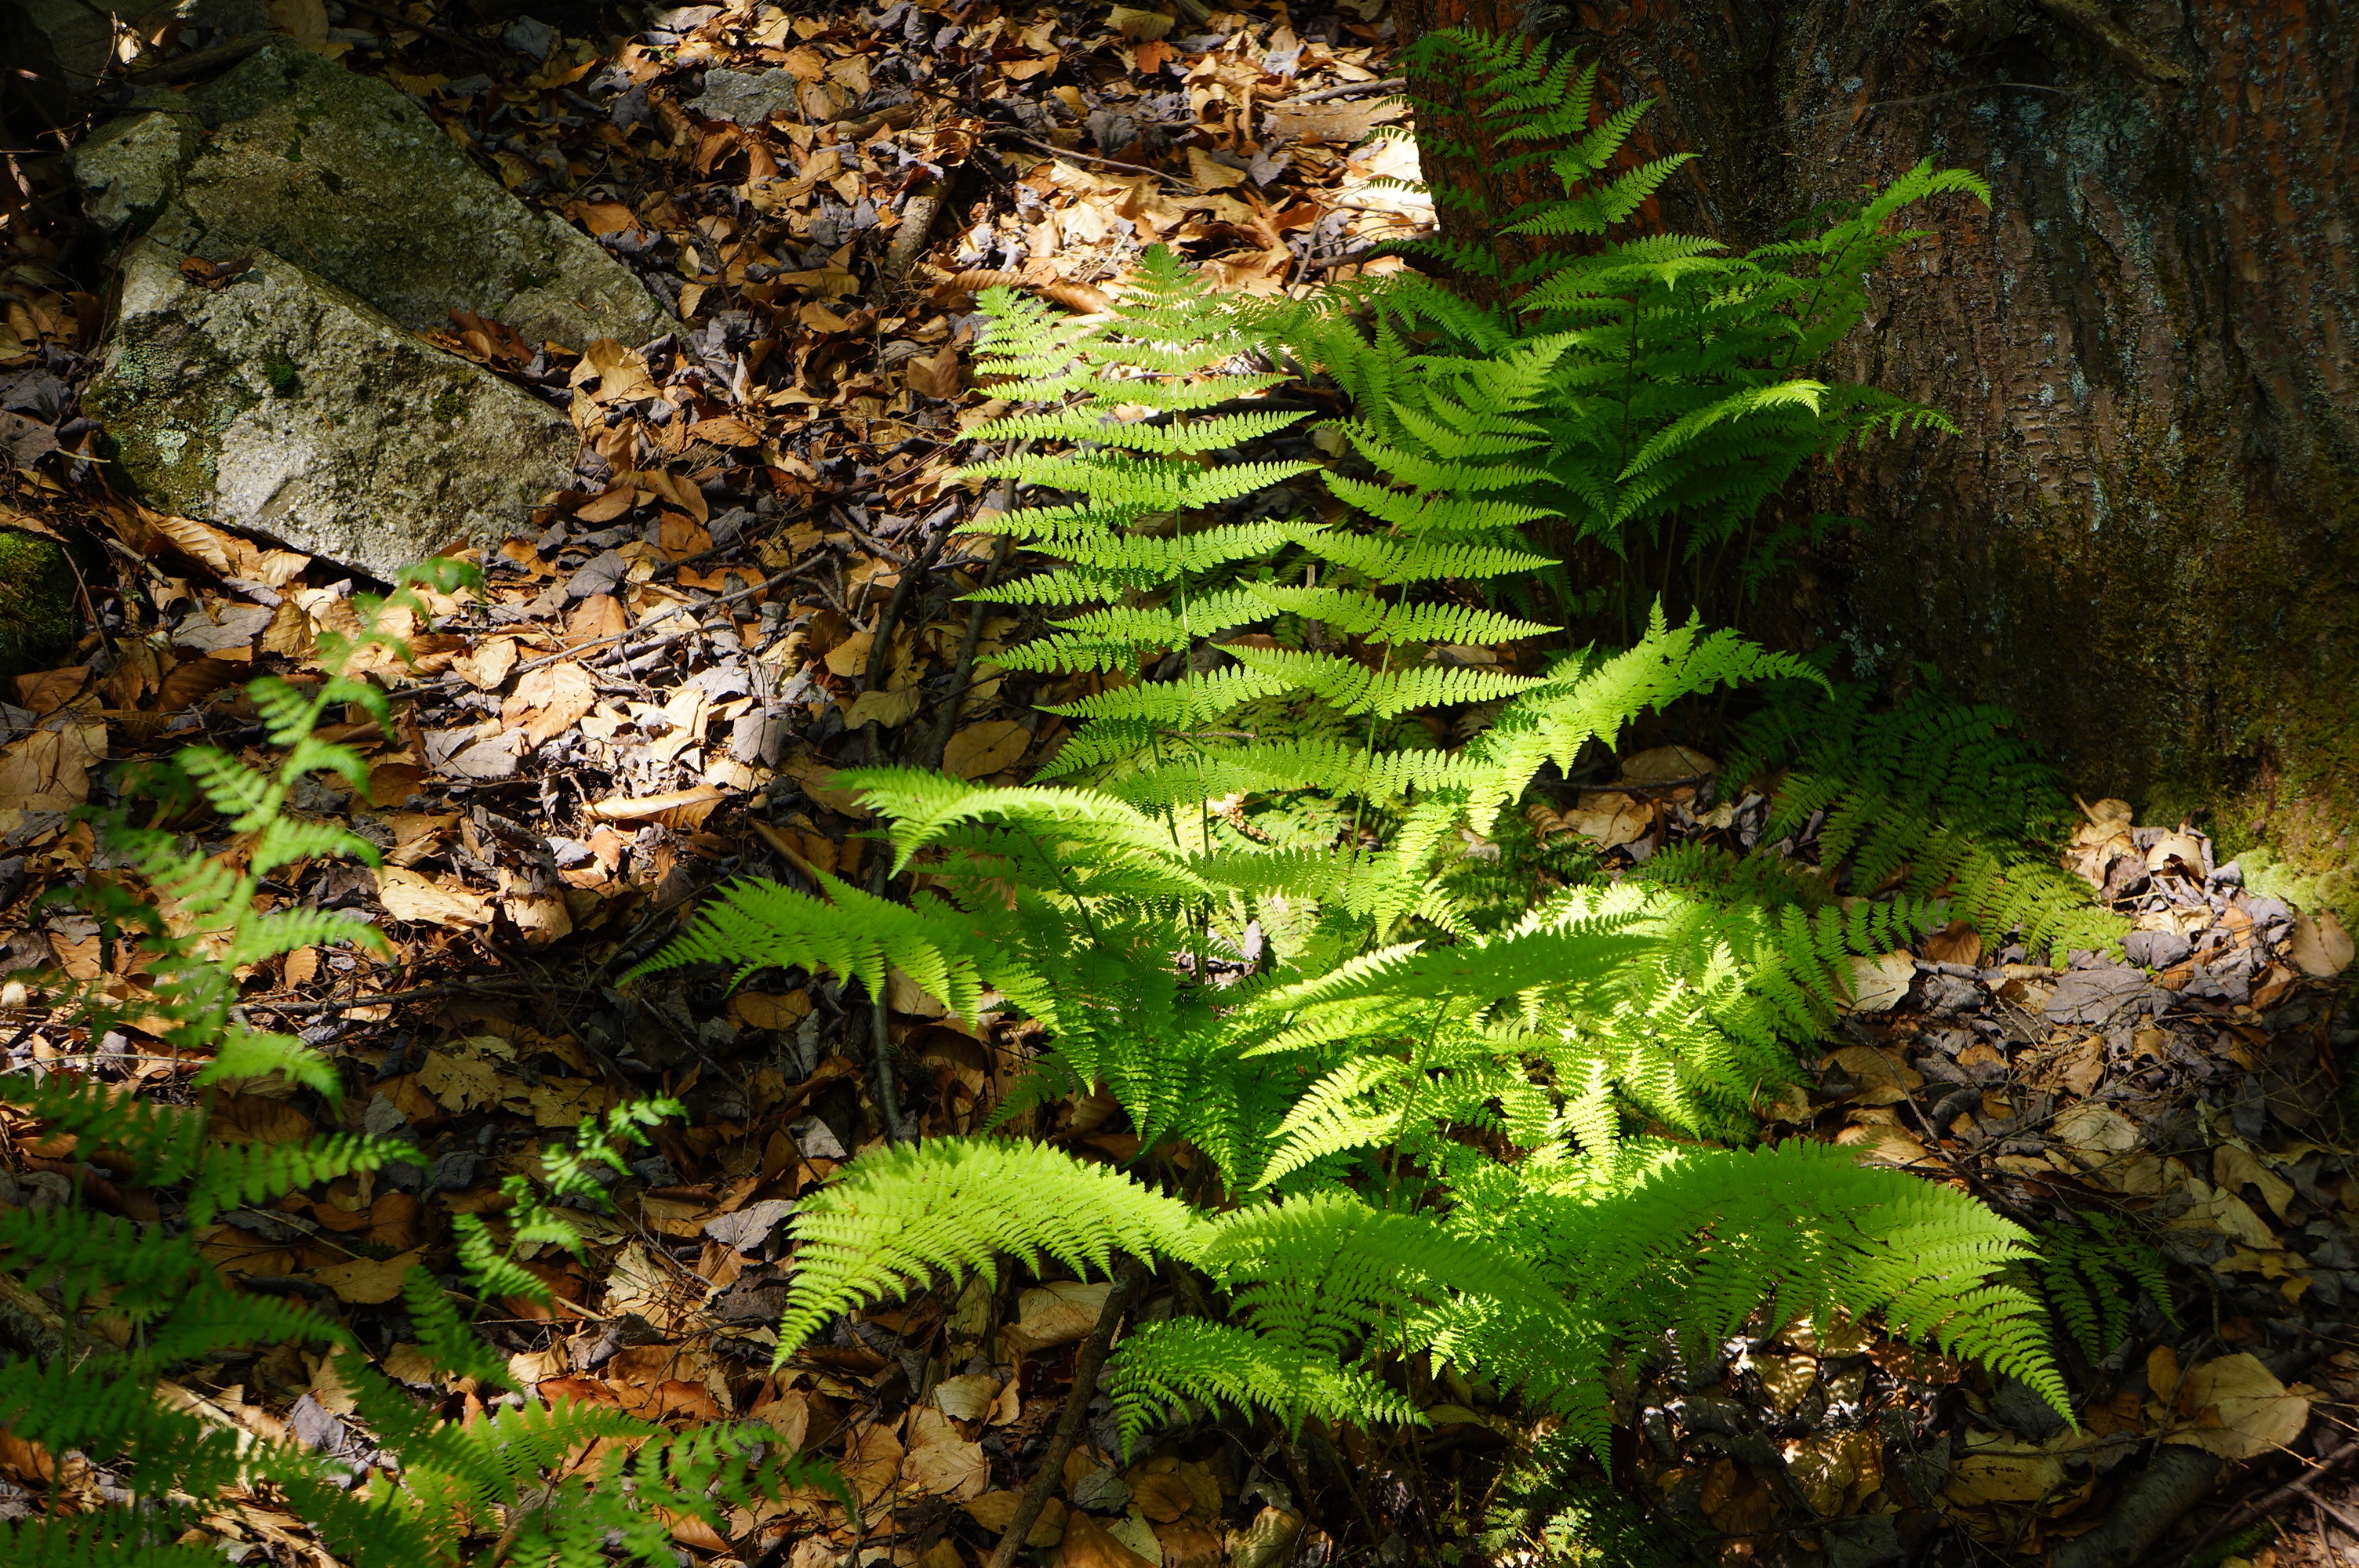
1349	90
2297	1487
1086	1368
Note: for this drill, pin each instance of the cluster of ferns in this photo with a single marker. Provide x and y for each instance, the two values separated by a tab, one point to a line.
559	1485
1380	1118
1386	1109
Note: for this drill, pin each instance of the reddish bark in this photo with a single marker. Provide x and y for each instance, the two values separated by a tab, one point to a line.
2147	539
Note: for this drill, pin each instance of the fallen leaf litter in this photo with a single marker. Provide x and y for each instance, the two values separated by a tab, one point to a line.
672	658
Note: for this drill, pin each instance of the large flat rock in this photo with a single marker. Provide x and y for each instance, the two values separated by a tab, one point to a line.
353	178
279	404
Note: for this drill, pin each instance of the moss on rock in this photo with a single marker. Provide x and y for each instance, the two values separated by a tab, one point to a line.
37	617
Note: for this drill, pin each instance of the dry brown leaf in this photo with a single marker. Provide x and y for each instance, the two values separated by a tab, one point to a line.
938	375
199	541
306	19
1139	27
888	708
1980	1479
725	430
986	748
2255	1414
548	701
539	918
367	1281
769	1010
596	618
2321	948
2233	1166
1877	984
1957	943
46	691
968	1397
621	373
1189	1543
407	895
675	808
848	660
788	1415
390	784
1610	817
486	666
562	1102
997	1511
1265	1542
903	994
1058	1312
289	631
1208	173
1087	1545
460	1083
1163	1496
872	1463
941	1463
194	679
2226	1213
253	1119
50	768
1666	764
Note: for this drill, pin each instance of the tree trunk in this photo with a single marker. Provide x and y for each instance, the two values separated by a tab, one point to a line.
2147	539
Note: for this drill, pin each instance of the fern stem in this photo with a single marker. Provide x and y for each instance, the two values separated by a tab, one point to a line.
1086	1368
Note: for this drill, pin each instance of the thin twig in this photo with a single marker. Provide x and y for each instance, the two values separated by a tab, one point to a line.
1086	1368
2297	1487
1349	90
1055	151
423	993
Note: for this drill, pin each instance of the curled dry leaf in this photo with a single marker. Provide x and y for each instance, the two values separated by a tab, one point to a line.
675	808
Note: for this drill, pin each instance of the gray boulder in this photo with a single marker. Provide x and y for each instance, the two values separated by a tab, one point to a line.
303	157
130	168
281	405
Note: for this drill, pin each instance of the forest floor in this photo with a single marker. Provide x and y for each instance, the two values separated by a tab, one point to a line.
649	699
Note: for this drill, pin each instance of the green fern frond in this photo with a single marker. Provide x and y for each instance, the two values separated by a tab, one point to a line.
895	1217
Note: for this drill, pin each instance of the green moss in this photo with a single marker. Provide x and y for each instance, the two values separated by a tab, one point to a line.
283	377
449	404
164	408
38	617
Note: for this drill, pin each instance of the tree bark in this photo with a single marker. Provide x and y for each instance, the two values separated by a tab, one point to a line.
2145	540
